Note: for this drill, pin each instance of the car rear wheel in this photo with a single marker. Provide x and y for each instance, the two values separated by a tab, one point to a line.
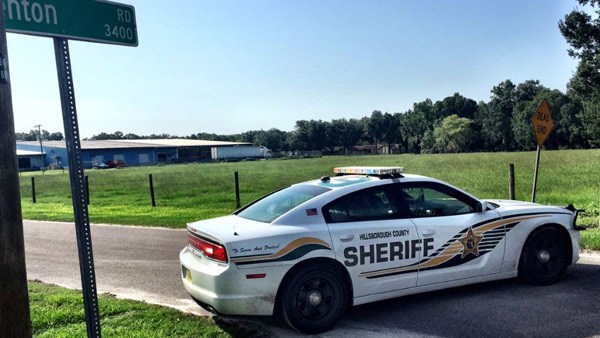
544	257
313	299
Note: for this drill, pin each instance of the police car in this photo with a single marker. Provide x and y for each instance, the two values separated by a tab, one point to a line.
311	250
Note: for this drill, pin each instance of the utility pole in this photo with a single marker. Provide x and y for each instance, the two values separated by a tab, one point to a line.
15	320
39	127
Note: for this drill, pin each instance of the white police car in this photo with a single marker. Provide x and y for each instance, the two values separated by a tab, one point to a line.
309	251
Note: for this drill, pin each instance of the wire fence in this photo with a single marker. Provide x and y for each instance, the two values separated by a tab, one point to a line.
165	189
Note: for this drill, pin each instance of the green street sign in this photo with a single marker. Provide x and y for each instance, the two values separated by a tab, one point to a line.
86	20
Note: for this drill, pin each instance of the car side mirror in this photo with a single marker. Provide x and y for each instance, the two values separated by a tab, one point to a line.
482	206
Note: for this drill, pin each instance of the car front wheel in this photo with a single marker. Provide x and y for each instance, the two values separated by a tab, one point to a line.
314	299
544	257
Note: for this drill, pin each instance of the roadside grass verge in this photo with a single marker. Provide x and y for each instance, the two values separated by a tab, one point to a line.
190	192
59	313
590	239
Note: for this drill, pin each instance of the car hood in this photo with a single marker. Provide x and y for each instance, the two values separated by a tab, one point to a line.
512	207
513	203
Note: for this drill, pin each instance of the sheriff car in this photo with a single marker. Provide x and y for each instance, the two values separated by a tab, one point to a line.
311	250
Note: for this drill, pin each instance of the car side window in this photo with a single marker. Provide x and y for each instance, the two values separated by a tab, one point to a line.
377	203
432	200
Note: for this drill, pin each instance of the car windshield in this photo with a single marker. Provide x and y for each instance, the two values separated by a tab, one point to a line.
276	204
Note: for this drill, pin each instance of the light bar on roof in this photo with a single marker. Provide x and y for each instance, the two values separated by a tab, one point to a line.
368	170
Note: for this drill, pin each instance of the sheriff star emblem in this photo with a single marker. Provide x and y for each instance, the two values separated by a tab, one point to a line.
470	243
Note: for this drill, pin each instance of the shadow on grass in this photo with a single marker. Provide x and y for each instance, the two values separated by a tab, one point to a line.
241	327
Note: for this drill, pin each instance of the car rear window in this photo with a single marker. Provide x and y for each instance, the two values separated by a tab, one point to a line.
278	203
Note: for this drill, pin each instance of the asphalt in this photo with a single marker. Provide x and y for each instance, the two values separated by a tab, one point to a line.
137	263
142	263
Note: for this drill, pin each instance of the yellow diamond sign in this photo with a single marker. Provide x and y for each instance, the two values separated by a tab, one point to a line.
542	122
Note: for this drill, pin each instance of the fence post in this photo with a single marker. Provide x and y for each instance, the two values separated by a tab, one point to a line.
33	189
237	190
87	190
511	181
152	190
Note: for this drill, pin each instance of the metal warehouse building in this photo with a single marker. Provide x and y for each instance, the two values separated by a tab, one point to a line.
131	152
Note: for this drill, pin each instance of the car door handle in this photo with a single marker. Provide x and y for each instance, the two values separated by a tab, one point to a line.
346	238
428	233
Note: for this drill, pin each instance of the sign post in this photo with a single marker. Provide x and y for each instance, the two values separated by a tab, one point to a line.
85	20
76	174
542	123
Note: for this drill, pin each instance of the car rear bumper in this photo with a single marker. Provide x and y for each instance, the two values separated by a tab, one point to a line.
225	289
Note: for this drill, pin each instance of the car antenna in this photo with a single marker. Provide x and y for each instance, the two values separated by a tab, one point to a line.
234	231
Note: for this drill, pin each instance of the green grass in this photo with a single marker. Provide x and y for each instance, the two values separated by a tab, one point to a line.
57	312
191	192
590	239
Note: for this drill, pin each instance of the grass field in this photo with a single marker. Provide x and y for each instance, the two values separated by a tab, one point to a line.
59	313
191	192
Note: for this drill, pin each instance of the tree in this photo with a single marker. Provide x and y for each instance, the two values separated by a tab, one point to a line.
250	136
310	135
521	124
570	120
391	130
427	143
101	136
496	119
131	136
567	125
462	107
58	136
582	32
31	136
375	128
567	131
528	90
273	138
584	88
590	118
455	105
453	135
527	101
119	136
415	123
345	133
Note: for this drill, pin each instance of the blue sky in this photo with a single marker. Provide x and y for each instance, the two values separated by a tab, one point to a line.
231	66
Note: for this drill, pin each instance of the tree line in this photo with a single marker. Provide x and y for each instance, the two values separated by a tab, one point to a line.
454	124
457	123
33	135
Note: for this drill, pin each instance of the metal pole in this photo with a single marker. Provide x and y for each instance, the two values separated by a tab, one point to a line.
511	181
76	174
33	198
237	190
535	176
15	320
152	190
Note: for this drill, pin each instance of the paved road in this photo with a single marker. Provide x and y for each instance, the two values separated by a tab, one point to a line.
131	262
142	263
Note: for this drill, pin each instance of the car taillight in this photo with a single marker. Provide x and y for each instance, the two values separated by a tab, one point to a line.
210	250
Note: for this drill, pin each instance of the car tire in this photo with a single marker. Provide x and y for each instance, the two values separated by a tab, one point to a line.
314	299
544	257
